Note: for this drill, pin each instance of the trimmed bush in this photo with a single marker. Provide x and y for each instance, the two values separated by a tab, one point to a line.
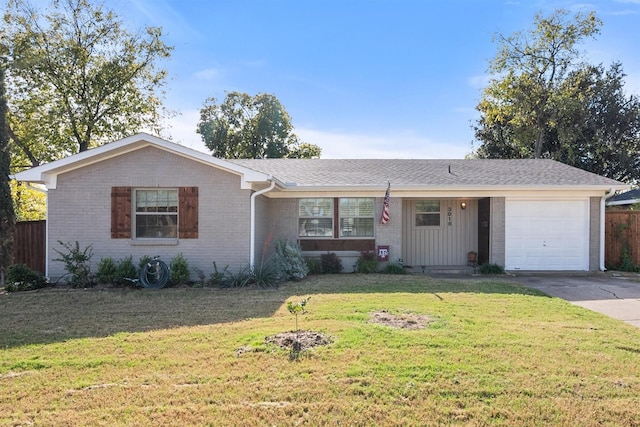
126	272
179	270
488	268
367	263
394	269
21	278
107	271
314	266
331	263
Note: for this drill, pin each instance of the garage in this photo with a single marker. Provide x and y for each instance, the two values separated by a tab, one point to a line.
547	234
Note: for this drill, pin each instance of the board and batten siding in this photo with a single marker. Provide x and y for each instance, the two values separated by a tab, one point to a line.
445	244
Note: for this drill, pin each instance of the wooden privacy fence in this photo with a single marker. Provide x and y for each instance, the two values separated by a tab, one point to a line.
29	242
622	233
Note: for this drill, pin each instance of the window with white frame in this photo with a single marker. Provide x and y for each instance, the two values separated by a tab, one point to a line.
156	213
427	213
315	217
356	216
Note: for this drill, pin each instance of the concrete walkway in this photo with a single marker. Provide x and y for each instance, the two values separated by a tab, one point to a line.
612	294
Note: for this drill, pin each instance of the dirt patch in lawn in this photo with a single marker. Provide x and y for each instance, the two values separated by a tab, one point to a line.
402	320
304	339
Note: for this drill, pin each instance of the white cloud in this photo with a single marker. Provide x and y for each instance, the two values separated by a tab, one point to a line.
335	145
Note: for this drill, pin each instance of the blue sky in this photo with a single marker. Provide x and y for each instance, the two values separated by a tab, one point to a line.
361	79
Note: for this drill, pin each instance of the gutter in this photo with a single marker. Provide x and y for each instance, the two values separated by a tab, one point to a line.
252	250
602	237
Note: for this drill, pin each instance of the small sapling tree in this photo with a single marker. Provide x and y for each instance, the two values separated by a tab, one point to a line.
297	308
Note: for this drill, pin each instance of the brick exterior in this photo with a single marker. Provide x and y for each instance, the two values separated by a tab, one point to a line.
594	233
497	234
79	210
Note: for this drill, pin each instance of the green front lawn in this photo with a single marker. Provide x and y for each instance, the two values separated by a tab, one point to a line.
494	353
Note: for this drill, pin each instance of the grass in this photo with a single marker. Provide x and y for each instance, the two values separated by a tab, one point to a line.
495	354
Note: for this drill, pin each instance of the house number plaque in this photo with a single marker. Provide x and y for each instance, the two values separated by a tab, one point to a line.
449	215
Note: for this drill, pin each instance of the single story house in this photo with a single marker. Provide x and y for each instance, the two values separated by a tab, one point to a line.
143	195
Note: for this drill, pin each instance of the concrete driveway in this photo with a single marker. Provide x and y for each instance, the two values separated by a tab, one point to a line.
612	294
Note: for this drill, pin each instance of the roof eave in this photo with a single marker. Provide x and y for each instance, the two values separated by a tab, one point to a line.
47	174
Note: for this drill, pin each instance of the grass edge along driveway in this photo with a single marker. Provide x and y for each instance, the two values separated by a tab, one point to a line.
494	353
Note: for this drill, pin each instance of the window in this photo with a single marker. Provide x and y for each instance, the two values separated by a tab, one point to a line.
427	213
315	217
356	217
156	214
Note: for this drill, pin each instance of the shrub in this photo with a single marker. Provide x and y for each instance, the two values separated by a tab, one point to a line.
289	261
107	271
330	263
77	262
239	279
488	268
179	270
265	275
394	269
313	265
218	278
126	273
367	263
21	278
626	262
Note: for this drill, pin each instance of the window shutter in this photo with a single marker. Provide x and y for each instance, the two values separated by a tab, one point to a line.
188	213
120	212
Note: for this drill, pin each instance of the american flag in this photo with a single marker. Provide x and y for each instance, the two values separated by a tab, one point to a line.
385	207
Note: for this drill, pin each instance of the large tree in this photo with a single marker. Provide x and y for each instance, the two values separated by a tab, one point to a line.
245	126
519	107
77	78
7	215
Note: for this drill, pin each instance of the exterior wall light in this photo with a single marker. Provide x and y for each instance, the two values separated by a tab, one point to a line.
463	205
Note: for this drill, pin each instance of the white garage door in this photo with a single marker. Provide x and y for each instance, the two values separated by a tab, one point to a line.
547	235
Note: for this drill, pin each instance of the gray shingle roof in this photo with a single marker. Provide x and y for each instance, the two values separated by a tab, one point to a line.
422	172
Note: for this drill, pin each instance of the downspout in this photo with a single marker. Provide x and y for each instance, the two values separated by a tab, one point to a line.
252	253
602	203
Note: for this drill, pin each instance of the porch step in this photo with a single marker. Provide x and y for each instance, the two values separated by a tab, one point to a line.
442	269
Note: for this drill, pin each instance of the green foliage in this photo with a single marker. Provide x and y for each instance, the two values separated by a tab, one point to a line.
7	213
21	278
78	78
394	269
289	261
252	127
77	263
544	101
297	308
126	272
489	268
238	279
265	275
144	260
331	263
313	265
179	270
367	263
217	278
107	271
626	261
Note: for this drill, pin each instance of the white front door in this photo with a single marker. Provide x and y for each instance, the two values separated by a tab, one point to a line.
547	234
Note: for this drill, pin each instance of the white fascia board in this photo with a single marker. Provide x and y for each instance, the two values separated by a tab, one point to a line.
295	191
623	202
47	174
